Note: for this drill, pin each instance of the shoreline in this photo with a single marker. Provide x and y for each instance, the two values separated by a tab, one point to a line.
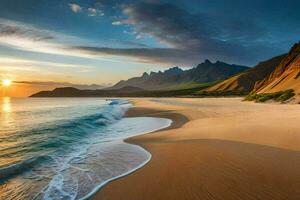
142	112
95	190
177	121
188	162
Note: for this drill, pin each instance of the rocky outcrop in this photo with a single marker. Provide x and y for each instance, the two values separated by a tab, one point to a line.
285	76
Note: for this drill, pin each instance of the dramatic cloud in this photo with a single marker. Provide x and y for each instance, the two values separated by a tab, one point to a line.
30	38
11	28
183	37
33	39
189	37
174	31
34	65
168	56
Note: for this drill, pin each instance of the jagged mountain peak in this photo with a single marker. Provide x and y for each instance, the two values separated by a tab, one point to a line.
207	61
204	72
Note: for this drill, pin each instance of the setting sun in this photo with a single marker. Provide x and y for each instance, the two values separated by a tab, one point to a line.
6	82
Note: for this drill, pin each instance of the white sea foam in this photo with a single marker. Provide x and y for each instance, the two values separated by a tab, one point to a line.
103	161
81	144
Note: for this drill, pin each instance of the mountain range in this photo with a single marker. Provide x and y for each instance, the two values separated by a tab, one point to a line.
169	79
276	78
74	92
171	82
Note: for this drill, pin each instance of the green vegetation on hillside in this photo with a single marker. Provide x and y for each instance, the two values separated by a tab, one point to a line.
276	96
189	89
192	90
221	93
191	85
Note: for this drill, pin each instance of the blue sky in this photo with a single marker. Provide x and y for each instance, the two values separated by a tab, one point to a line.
103	41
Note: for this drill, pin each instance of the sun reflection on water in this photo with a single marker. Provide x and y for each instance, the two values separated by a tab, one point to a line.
6	105
7	129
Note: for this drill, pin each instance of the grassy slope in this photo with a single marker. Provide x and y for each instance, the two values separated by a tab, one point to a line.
190	86
189	89
280	96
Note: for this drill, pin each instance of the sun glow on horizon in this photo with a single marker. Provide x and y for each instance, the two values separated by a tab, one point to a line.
6	82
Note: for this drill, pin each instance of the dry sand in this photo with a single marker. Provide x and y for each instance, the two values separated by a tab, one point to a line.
217	148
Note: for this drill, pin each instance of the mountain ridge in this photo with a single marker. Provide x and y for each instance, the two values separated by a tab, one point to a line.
74	92
285	76
204	72
245	81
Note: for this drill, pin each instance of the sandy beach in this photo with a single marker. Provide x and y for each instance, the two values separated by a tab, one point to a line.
216	149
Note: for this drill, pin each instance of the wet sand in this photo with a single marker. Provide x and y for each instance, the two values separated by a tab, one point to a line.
215	149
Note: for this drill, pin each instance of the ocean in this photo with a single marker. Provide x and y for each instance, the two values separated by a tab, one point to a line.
67	148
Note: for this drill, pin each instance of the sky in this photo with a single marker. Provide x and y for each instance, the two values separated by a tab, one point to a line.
95	43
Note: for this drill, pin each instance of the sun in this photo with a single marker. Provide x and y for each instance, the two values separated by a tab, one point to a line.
6	82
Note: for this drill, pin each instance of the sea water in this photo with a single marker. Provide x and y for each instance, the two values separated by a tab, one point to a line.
67	148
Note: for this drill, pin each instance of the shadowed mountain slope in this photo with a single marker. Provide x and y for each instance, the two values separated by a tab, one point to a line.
285	76
244	82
